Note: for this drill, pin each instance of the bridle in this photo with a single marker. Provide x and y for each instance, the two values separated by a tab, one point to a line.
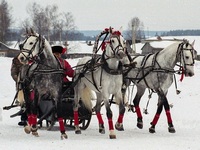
119	47
180	55
30	57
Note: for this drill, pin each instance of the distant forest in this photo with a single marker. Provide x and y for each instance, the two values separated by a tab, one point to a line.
181	33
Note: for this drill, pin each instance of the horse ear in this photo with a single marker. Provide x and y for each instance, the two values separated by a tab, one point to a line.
32	31
193	43
121	29
111	30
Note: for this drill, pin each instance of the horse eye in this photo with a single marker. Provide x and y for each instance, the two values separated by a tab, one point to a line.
112	41
31	43
187	57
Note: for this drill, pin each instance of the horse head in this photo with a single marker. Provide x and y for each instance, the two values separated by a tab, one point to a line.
117	43
187	55
31	47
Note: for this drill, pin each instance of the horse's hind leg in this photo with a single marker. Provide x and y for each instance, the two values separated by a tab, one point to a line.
162	102
136	101
75	108
60	120
156	117
169	119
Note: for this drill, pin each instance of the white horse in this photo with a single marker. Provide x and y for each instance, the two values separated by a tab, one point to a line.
42	78
155	71
104	76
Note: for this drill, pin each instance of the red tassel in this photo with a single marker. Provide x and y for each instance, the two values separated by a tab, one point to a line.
103	46
31	95
182	75
116	33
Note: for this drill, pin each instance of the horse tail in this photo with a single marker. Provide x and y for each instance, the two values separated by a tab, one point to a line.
86	97
20	97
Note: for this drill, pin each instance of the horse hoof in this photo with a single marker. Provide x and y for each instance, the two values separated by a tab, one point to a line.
112	136
119	126
171	129
64	136
27	129
140	125
152	129
77	130
35	134
101	129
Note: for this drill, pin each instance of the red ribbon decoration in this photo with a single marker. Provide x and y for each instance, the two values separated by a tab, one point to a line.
182	75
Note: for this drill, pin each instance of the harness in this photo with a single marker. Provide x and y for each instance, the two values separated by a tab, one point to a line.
155	66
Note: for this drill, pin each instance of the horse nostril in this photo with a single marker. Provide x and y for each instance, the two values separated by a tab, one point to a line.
21	58
190	74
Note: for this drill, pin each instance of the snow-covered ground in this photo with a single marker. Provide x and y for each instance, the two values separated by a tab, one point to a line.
185	115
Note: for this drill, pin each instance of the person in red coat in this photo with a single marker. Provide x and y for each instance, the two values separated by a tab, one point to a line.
68	70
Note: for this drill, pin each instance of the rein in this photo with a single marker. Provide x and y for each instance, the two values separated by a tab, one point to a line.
37	59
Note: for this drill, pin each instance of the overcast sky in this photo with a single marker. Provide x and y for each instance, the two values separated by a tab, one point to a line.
100	14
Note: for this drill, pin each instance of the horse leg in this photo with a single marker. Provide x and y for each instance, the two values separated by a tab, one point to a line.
34	97
119	123
136	101
169	119
156	117
161	100
110	121
76	105
29	98
98	114
60	120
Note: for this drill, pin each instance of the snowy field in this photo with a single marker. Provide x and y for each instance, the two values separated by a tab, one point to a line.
185	114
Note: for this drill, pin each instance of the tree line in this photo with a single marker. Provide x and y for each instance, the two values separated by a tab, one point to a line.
60	26
54	25
182	33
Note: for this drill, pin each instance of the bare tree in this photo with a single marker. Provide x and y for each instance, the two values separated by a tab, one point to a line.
5	20
69	23
48	21
135	31
52	14
136	27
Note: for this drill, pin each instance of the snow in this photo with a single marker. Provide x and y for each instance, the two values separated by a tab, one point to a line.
185	115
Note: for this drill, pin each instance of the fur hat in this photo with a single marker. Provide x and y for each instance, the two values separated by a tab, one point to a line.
58	49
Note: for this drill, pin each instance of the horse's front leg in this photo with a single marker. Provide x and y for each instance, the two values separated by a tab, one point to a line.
98	114
60	120
31	104
110	121
119	123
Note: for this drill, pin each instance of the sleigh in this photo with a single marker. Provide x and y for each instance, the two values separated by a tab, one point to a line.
47	111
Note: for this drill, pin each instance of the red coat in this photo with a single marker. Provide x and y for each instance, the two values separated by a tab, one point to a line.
68	71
